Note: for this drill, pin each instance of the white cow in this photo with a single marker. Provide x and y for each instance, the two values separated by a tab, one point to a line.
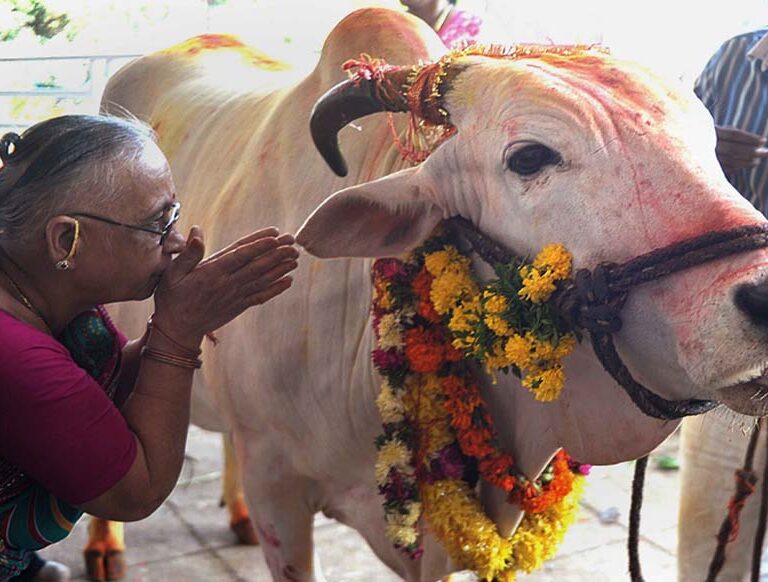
616	164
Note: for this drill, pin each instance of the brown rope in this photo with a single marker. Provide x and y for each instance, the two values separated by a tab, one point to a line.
592	300
638	482
745	486
757	549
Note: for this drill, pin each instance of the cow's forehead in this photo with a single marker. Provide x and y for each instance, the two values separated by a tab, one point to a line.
583	85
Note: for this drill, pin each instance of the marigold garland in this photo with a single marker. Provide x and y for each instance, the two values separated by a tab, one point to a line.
429	314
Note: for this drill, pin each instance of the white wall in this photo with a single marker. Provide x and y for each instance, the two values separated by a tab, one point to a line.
675	37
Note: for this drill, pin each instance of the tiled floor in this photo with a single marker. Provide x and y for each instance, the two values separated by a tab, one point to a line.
187	539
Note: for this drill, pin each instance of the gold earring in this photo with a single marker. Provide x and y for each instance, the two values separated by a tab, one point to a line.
65	263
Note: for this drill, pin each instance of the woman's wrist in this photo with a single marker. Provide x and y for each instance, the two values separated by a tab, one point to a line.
185	344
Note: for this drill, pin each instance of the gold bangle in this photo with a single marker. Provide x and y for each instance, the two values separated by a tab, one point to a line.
170	359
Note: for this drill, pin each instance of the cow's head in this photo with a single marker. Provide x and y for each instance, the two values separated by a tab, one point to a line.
575	147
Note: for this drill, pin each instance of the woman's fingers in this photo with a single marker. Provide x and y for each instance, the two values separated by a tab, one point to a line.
269	233
258	266
236	258
270	292
264	280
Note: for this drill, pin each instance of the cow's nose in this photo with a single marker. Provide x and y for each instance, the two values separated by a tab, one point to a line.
752	300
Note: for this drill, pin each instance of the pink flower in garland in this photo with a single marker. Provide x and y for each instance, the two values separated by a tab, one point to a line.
389	268
388	360
449	464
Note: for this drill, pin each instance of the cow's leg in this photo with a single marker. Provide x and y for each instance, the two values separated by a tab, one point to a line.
234	499
282	509
713	447
105	550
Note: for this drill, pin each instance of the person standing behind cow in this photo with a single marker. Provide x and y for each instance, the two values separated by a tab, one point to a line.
734	87
90	422
452	25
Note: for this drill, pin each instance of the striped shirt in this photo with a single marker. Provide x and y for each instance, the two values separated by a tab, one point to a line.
734	87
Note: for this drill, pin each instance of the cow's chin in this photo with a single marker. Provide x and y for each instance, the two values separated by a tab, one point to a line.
750	398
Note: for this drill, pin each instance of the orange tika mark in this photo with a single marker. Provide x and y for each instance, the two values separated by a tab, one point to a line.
213	42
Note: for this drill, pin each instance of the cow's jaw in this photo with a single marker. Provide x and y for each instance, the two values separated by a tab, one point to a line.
747	393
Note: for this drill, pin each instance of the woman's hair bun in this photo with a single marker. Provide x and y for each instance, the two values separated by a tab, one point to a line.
9	144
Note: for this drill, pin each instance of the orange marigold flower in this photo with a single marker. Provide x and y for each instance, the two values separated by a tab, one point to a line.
495	470
452	354
475	442
424	351
560	486
422	283
427	311
461	421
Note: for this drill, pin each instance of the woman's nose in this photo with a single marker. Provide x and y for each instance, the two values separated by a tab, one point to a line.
174	242
752	300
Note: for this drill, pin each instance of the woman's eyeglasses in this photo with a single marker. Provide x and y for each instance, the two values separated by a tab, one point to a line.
168	221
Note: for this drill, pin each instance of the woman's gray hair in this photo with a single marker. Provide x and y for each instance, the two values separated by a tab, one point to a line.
47	169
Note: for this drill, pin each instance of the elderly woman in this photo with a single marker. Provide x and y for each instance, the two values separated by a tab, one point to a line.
90	422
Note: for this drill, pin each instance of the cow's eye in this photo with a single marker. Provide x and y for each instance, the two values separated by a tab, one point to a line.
530	159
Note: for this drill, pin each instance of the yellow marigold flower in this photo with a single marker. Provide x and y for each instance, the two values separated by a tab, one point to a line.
497	325
494	303
554	258
414	513
498	357
543	350
456	518
383	298
463	319
565	346
546	385
401	535
466	315
449	288
466	343
392	454
409	518
437	262
538	535
537	286
424	401
391	408
518	350
390	331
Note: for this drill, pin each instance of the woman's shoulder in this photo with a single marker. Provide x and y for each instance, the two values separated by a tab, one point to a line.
17	336
27	353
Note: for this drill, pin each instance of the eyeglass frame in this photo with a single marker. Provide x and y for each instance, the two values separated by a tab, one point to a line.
175	209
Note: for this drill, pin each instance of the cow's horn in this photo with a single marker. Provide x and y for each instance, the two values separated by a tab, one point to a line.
350	100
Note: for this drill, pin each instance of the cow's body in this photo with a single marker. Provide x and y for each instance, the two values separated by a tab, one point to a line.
293	380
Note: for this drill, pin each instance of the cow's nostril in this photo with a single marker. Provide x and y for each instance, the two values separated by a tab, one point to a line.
752	300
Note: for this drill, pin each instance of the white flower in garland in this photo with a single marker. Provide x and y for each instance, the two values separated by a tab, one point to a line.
390	332
393	454
391	408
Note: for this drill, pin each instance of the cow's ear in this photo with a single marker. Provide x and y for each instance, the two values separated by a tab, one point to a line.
384	218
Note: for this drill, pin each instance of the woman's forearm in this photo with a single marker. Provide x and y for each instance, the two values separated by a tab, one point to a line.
129	368
157	413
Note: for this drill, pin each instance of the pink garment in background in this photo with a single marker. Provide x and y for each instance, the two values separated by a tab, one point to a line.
460	26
